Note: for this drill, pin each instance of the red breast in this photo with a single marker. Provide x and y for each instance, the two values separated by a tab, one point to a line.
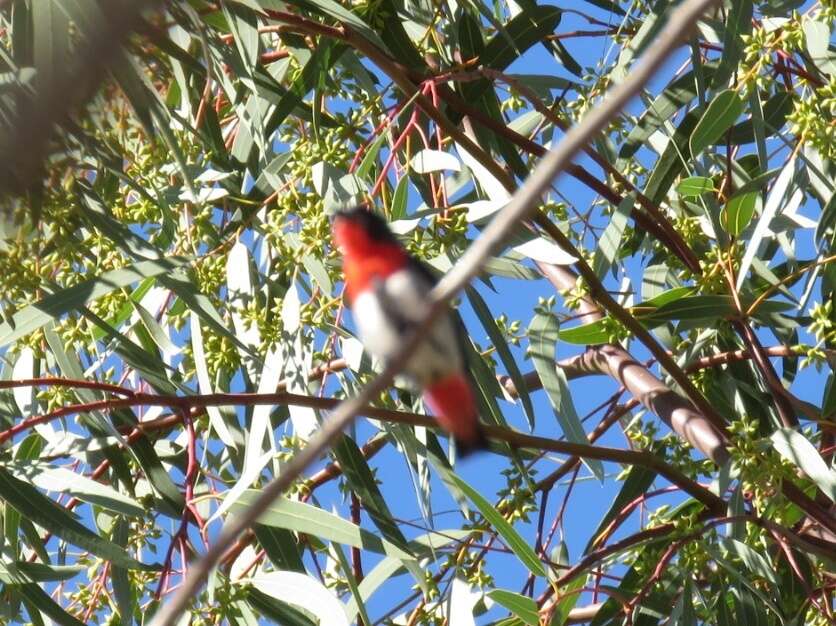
365	257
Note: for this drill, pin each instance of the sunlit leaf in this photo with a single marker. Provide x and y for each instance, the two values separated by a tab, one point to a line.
543	334
798	450
694	186
303	591
738	212
720	114
29	502
522	606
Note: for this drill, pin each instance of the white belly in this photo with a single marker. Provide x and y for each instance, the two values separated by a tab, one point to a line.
385	316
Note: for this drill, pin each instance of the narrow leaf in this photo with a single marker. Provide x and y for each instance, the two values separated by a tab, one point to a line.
46	605
720	114
511	537
522	606
33	505
797	449
504	352
59	479
738	212
610	240
304	518
773	202
543	334
362	482
303	591
694	186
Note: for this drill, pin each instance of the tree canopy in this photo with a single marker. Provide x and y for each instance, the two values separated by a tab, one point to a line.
652	346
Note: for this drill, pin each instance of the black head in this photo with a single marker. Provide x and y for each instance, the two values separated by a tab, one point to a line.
369	222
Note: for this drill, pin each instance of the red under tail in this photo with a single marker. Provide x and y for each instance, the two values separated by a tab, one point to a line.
454	406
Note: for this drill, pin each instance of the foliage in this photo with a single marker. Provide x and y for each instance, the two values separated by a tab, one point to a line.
174	245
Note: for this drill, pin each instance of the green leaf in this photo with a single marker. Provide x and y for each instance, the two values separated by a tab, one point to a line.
427	546
342	15
758	128
51	41
671	162
70	367
280	612
671	295
738	575
308	519
280	546
427	161
204	383
774	114
326	54
798	450
695	186
345	566
244	28
683	611
60	479
749	607
364	170
607	5
35	506
754	561
817	37
392	31
610	240
647	30
719	116
522	606
172	501
158	334
146	362
510	267
525	29
362	482
46	605
136	247
827	219
738	24
23	571
710	306
487	386
568	601
590	334
673	98
543	334
738	212
511	537
636	483
543	83
469	33
399	199
502	349
774	201
149	107
123	589
52	307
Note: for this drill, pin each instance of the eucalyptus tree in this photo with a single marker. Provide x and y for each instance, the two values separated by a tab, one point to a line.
651	347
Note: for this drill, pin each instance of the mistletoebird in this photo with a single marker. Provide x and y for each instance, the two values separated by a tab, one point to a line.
388	292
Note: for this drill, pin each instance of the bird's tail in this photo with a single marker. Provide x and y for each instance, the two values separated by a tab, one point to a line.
452	402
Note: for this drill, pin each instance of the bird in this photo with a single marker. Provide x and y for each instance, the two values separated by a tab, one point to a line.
388	291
